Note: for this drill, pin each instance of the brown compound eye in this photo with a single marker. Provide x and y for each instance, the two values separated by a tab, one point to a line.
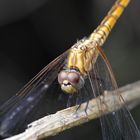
73	77
62	76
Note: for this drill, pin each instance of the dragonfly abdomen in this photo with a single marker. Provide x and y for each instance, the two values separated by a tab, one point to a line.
101	33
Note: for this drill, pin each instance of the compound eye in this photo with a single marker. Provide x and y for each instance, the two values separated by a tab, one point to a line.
73	77
62	76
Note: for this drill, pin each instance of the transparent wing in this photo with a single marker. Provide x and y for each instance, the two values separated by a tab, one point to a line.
18	108
118	125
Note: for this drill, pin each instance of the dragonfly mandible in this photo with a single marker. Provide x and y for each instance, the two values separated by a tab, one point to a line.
82	71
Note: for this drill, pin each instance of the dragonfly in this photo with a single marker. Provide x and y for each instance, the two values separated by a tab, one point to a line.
81	73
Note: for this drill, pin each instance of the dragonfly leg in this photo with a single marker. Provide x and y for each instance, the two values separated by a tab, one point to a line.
78	107
80	101
87	103
69	102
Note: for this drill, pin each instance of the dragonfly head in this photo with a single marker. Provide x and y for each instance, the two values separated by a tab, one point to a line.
70	80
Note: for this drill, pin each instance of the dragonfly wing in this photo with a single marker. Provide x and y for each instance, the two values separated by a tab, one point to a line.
15	110
117	125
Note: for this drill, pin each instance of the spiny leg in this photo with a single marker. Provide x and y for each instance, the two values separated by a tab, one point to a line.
69	102
79	100
85	97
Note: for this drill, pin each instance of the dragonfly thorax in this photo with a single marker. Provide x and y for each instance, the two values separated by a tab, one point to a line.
70	80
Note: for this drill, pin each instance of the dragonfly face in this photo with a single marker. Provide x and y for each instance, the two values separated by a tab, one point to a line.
70	80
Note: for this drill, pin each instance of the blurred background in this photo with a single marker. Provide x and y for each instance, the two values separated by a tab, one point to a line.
34	32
